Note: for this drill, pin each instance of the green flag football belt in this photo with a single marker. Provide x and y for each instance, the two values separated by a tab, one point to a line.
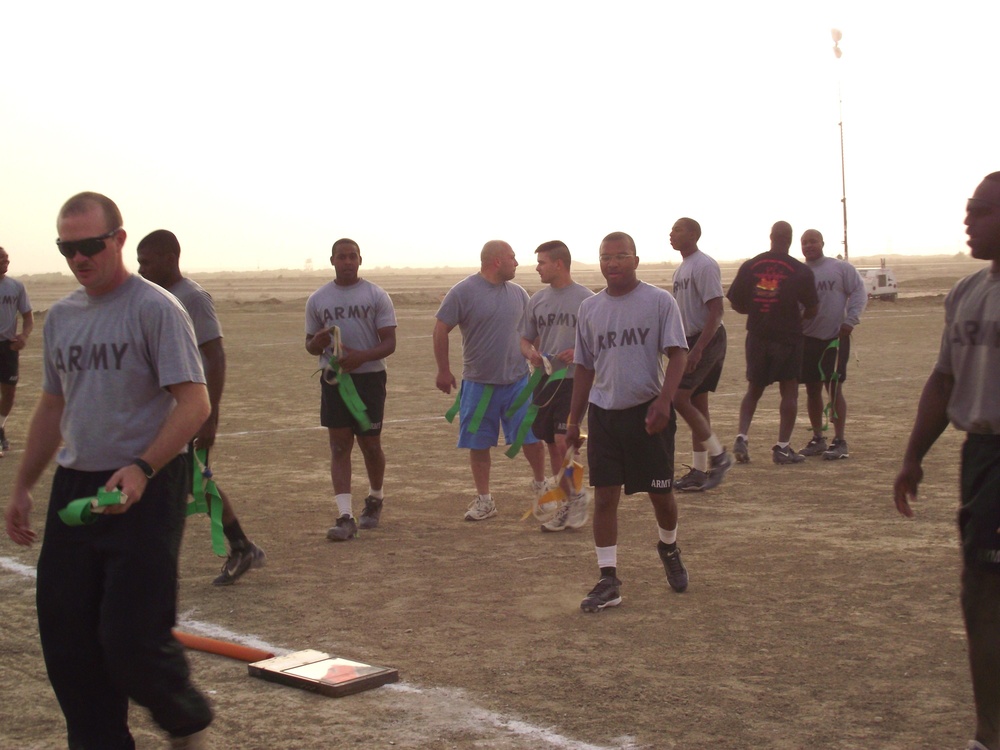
333	374
84	510
830	410
205	498
554	376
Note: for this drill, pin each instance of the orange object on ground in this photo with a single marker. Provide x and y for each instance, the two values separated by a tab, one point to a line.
222	648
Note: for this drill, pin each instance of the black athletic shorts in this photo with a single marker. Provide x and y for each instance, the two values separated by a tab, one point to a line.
552	400
8	363
772	361
705	378
333	412
979	514
813	350
620	452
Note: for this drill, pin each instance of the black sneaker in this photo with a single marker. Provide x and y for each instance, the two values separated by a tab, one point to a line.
239	562
814	447
693	481
677	575
741	451
371	513
717	468
4	444
607	593
785	455
837	450
346	528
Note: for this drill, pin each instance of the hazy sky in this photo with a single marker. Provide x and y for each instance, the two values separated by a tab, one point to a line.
260	133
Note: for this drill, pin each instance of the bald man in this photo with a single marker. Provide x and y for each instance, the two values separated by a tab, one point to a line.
827	343
488	308
769	289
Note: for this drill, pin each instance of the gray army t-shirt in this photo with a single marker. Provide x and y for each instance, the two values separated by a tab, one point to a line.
200	307
622	340
696	281
358	309
110	358
551	318
489	316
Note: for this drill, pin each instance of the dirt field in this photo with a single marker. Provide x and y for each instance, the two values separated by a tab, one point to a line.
816	617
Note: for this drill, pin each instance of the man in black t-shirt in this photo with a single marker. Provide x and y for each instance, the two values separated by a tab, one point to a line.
769	289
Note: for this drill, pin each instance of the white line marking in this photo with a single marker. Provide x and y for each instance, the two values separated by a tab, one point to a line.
450	698
15	567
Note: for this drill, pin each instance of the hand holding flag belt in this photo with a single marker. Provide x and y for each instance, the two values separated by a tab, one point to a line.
569	477
333	375
830	410
82	511
206	499
554	376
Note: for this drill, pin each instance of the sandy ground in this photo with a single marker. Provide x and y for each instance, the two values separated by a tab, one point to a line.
816	616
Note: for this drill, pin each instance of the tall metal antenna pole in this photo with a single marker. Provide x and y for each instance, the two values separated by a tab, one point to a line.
837	36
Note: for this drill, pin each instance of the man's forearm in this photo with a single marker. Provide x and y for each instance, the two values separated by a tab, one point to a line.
181	424
44	439
932	416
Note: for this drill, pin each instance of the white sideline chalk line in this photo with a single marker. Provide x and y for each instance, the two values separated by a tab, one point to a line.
514	727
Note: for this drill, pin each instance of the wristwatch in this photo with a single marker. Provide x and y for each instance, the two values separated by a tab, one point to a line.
146	468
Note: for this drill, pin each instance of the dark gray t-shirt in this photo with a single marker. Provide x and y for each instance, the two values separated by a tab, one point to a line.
622	340
489	316
110	358
551	318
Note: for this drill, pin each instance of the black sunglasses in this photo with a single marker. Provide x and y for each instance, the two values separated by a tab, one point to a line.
87	248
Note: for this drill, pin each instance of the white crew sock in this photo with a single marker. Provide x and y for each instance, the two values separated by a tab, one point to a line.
343	504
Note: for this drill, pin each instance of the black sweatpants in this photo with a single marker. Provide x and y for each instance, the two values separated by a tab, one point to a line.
107	600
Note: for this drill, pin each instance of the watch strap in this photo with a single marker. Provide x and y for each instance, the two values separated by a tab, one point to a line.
146	468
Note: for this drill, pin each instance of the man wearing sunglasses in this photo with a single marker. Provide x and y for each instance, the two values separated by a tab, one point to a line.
123	392
159	255
962	389
13	300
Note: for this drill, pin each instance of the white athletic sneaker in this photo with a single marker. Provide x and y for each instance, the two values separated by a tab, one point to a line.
578	505
572	514
480	509
546	511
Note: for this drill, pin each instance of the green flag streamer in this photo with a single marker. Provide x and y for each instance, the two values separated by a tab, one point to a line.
83	511
334	375
830	410
529	416
477	415
206	499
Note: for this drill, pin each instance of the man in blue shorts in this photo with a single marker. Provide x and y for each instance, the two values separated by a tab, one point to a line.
775	291
827	343
698	291
962	390
366	319
159	255
122	394
621	334
488	308
13	301
549	330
